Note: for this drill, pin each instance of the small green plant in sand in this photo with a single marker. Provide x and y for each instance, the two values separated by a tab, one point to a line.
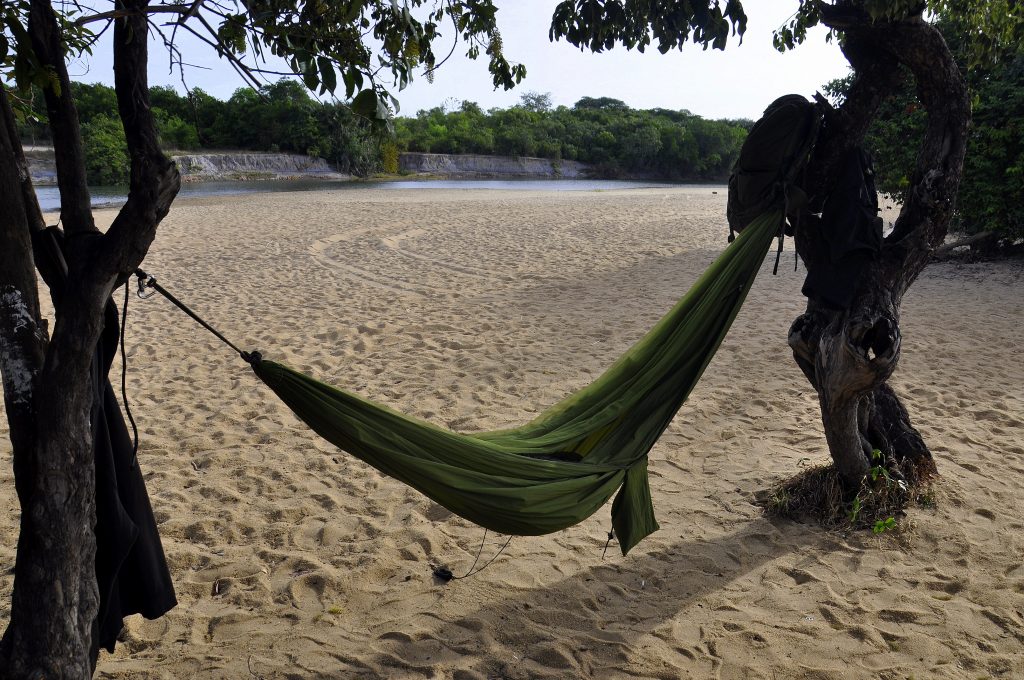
877	472
817	493
883	525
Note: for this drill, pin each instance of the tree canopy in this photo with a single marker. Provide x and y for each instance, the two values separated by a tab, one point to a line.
342	48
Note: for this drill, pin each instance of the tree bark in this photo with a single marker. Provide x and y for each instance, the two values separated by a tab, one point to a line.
22	331
55	597
849	354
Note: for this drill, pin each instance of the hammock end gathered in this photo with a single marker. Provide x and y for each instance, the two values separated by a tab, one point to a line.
252	358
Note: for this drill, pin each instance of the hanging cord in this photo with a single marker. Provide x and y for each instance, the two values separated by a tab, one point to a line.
124	380
778	255
445	574
782	226
611	537
147	281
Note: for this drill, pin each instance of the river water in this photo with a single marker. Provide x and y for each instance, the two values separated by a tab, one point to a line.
49	197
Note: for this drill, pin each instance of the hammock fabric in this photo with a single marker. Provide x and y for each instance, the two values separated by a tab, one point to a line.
560	468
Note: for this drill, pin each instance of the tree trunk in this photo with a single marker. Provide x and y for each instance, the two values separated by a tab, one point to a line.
54	570
849	354
49	398
48	462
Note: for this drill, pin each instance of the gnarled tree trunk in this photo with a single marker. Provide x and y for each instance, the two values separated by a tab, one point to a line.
848	355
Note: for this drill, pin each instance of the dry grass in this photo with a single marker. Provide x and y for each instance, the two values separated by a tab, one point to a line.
818	494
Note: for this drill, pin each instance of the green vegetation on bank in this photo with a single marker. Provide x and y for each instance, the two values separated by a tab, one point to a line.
615	140
602	132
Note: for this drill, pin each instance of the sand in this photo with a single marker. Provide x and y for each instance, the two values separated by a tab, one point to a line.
475	309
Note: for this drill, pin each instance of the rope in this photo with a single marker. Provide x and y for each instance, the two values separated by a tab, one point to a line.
778	254
496	556
477	558
445	574
124	381
611	537
147	281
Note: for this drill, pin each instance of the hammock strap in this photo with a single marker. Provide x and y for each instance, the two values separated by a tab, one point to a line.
147	281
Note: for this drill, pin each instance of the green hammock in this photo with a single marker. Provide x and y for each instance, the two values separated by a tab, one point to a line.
558	469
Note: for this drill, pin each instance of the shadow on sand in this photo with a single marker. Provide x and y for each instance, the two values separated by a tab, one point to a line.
587	624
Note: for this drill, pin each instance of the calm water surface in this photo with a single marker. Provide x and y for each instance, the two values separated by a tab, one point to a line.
49	198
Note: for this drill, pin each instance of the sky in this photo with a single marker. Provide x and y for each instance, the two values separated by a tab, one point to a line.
738	82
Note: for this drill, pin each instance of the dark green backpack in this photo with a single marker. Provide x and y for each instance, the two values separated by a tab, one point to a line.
771	159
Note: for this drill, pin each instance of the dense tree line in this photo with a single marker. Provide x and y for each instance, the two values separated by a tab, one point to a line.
277	117
602	132
992	190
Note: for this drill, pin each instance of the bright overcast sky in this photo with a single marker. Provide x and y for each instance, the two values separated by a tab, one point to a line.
736	83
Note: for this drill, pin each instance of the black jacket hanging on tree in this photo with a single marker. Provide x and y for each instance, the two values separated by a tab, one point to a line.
131	570
130	566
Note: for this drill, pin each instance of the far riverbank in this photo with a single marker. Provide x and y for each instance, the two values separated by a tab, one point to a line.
49	196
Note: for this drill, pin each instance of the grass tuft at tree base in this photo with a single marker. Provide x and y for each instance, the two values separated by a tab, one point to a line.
818	494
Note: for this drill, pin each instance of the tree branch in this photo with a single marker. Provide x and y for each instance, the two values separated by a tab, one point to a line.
878	76
947	248
878	51
154	180
76	208
926	214
186	10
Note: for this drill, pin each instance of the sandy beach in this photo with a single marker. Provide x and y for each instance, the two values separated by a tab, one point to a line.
475	309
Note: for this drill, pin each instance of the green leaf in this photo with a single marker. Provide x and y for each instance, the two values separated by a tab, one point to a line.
327	75
309	77
365	104
883	525
855	510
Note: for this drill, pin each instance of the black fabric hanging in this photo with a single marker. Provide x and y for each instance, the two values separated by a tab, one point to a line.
130	566
852	229
131	569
